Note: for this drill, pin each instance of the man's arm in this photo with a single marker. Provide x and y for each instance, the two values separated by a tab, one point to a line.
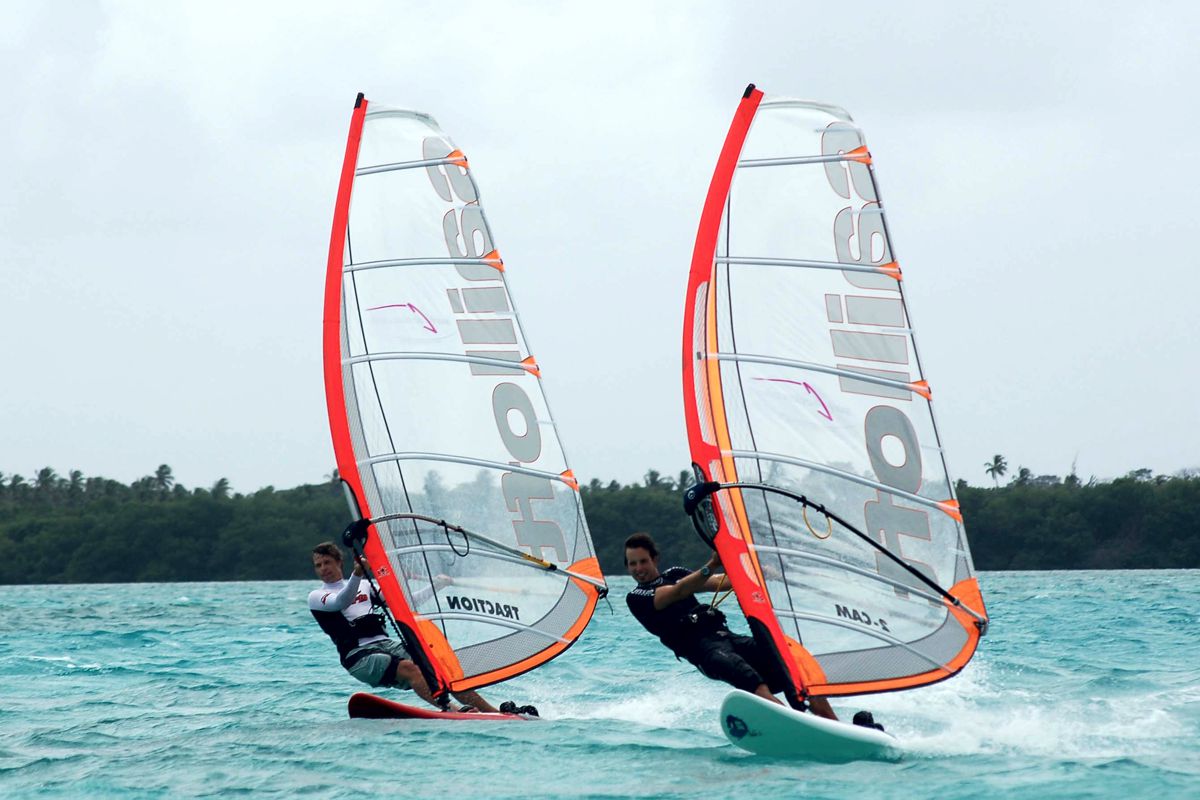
716	583
327	601
687	586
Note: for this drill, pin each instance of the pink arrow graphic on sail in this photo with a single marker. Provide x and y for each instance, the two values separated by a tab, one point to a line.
824	412
429	326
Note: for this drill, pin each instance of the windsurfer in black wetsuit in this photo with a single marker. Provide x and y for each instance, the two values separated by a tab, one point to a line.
665	604
343	609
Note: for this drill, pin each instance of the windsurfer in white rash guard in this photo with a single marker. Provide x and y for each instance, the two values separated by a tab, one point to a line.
665	604
343	609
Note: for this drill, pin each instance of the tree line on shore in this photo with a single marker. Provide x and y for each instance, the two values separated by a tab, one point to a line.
74	529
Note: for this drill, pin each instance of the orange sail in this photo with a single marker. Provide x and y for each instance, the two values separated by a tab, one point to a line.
801	380
442	431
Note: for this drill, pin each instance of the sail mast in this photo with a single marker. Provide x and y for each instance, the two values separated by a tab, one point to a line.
702	394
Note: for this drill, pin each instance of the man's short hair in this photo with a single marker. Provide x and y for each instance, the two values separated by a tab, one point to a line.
328	549
643	541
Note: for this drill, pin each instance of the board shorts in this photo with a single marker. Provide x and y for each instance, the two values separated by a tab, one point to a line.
374	664
736	660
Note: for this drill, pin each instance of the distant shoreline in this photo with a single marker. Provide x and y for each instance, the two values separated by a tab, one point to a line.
92	530
609	578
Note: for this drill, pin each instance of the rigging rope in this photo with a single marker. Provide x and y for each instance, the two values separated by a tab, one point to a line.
694	497
715	601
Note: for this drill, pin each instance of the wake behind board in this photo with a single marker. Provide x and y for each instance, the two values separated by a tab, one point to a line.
769	729
369	706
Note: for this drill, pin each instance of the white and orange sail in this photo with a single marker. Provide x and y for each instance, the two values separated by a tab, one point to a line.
801	379
443	436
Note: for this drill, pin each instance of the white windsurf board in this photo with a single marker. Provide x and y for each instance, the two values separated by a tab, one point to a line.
768	729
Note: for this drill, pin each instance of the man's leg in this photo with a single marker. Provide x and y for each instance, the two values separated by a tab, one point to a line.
764	692
820	706
719	661
471	698
407	672
748	648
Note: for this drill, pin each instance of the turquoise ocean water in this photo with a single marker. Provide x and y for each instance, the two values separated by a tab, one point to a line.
1088	685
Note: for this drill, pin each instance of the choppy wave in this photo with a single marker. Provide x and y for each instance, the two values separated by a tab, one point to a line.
1088	685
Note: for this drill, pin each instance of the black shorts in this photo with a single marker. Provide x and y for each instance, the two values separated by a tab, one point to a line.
737	660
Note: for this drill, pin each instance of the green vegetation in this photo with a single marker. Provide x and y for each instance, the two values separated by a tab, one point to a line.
75	529
655	507
1140	521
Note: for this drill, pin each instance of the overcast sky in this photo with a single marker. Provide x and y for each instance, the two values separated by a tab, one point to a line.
170	172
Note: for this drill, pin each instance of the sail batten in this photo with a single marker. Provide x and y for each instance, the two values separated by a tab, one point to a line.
453	459
835	564
433	162
514	365
787	162
516	626
439	418
417	262
868	632
801	376
794	262
844	372
838	473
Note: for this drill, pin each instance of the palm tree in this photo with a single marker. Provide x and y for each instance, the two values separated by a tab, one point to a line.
74	487
45	485
144	487
17	487
163	479
1024	475
45	480
996	468
220	489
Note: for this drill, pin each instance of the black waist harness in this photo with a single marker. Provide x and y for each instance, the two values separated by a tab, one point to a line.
692	627
346	634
